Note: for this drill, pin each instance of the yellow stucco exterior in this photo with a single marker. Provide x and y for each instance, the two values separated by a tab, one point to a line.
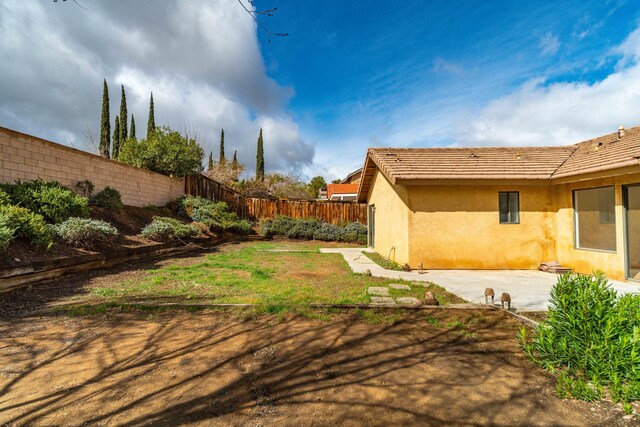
455	224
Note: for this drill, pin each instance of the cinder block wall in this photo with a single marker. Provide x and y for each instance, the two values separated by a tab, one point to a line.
25	157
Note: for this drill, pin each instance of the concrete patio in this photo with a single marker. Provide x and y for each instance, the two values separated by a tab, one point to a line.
529	289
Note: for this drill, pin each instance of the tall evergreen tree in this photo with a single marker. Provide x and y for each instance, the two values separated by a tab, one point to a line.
115	149
151	123
260	158
123	117
234	163
133	128
222	158
105	124
210	161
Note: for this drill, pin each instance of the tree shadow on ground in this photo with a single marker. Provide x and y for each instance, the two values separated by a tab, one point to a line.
191	369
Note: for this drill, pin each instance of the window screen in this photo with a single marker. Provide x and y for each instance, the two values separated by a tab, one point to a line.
595	218
509	207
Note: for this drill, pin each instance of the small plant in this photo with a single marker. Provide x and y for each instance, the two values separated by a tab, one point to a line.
84	233
47	198
355	233
85	187
164	229
215	215
304	229
25	224
6	236
108	198
328	232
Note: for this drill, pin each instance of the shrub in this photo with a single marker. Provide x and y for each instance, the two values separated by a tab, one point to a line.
84	233
4	198
108	198
304	229
280	226
163	229
6	235
592	337
328	232
25	224
47	198
354	233
215	215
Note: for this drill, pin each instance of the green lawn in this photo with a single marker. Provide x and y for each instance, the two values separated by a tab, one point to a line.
249	273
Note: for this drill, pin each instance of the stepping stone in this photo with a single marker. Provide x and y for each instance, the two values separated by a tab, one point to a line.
382	301
381	291
408	301
400	287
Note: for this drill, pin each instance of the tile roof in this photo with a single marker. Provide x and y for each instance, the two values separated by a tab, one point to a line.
401	165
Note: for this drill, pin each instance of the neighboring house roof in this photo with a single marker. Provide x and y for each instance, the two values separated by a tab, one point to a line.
403	165
334	189
352	176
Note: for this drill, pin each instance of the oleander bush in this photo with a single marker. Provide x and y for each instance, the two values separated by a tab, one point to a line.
215	215
108	198
47	198
309	228
591	338
24	224
84	233
164	229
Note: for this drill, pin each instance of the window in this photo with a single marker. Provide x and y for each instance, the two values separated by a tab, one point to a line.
509	207
595	218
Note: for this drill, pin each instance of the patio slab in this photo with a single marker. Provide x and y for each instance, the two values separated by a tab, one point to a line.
529	289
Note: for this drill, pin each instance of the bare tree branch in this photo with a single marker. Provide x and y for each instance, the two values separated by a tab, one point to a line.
268	12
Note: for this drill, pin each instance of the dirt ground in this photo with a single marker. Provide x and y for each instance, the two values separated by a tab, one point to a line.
226	368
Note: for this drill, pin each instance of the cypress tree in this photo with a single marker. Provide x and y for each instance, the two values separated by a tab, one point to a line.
105	124
151	123
222	158
123	117
210	161
116	139
260	158
234	163
133	128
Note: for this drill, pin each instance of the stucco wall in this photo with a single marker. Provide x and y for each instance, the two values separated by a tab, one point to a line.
392	219
458	226
24	157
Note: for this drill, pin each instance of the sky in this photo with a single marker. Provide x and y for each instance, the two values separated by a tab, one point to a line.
350	75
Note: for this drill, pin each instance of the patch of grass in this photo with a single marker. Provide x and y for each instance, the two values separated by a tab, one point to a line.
379	316
382	261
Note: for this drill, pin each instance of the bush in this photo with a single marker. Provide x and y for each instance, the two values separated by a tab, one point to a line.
84	233
592	337
4	198
310	228
6	236
215	215
85	187
354	233
25	224
163	229
328	232
108	198
47	198
304	229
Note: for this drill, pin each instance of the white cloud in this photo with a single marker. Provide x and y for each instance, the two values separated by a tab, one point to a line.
541	113
441	65
201	59
549	44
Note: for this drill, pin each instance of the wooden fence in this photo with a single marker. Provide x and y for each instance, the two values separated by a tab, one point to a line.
257	208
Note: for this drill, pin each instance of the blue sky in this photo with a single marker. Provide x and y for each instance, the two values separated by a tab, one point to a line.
350	75
410	73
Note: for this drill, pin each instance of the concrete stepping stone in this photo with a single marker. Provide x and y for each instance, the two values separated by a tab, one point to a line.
400	287
381	291
382	301
408	301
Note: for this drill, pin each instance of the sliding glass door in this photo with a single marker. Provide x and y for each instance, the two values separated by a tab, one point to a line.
632	205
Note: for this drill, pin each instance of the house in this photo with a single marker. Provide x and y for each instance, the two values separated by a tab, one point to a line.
342	192
353	178
508	208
